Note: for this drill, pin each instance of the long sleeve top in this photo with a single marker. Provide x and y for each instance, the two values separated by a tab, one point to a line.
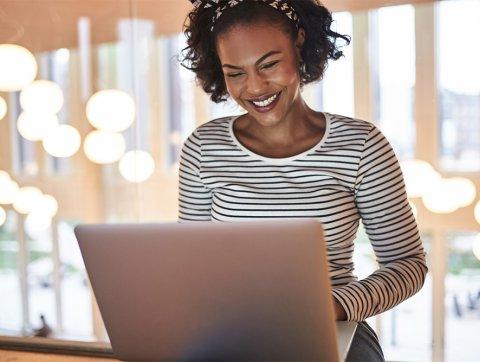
351	174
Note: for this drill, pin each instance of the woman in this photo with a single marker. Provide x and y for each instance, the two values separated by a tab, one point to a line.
282	159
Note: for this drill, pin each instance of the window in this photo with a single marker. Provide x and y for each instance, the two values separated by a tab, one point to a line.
337	84
394	326
334	93
56	67
181	105
24	152
11	301
394	75
459	85
462	299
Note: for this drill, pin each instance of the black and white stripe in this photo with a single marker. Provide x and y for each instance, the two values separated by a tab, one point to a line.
351	174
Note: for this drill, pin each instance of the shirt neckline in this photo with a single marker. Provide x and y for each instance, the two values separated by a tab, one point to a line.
281	159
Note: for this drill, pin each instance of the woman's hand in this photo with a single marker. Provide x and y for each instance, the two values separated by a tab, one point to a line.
340	314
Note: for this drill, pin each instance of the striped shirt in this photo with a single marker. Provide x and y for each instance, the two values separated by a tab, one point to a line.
352	173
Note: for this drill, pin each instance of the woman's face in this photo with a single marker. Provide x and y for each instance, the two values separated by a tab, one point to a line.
260	63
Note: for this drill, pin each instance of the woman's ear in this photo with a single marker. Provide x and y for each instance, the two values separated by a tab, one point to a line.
299	42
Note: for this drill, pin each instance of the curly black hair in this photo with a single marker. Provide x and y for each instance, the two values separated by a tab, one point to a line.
200	54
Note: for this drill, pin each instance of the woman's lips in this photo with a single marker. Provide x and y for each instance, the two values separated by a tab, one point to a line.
266	108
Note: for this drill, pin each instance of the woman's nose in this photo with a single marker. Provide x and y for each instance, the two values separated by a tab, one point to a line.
257	84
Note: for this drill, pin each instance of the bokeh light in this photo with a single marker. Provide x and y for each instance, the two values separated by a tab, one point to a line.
3	108
476	212
3	216
63	141
465	190
4	175
8	191
42	96
46	205
441	197
36	223
27	199
34	126
18	67
136	166
418	175
111	110
104	147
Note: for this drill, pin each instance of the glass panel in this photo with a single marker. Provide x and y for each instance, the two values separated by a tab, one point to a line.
181	106
462	299
23	153
395	76
40	283
394	327
76	297
56	68
337	83
11	300
398	341
459	85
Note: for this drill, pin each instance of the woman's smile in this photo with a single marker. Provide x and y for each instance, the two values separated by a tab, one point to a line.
264	106
260	65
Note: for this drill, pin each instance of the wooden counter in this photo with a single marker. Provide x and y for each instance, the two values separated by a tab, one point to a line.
19	356
16	349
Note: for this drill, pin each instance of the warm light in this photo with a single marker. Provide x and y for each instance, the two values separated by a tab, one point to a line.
476	246
476	212
111	110
35	126
4	176
17	67
3	216
36	223
8	191
27	199
46	205
3	108
62	141
136	166
418	175
465	190
42	96
441	197
104	147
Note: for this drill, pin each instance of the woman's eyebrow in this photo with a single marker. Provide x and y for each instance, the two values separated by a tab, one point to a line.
261	59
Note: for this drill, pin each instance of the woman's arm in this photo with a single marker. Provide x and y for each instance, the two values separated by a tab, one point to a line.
194	198
392	229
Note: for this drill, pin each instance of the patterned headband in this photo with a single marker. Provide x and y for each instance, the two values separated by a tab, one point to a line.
280	5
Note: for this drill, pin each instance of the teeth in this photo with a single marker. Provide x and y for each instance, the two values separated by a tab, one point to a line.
266	102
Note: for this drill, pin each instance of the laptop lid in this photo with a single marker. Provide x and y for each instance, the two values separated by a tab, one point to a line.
256	290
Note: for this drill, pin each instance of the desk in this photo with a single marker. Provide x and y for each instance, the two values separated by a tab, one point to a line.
28	349
345	332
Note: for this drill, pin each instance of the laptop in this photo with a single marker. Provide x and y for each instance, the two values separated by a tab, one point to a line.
205	291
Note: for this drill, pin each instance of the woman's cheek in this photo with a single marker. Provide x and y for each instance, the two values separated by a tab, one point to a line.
288	74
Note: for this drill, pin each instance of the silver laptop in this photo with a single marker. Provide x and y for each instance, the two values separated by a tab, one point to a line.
203	291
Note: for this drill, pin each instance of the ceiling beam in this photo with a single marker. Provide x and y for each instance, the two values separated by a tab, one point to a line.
42	25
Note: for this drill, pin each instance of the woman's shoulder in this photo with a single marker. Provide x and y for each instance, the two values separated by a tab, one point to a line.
345	123
215	125
213	129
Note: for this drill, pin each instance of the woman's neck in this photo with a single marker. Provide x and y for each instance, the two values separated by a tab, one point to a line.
298	124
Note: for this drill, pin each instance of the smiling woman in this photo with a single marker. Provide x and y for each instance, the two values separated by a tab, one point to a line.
282	159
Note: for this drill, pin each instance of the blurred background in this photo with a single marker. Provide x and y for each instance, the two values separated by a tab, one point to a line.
94	108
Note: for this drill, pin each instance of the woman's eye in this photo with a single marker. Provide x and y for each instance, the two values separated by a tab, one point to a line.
234	75
269	65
